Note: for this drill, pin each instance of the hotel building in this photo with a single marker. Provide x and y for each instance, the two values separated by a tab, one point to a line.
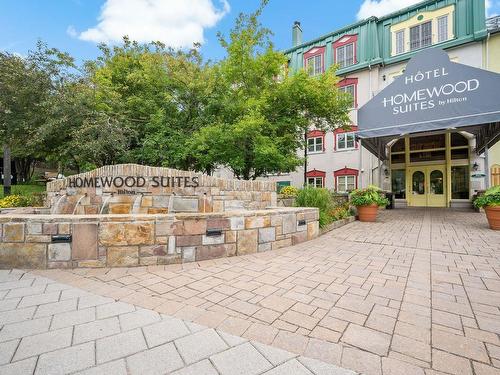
370	55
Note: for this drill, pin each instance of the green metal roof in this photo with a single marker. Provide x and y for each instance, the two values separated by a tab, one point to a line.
374	37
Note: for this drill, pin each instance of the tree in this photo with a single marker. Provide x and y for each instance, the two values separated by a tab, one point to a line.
261	115
27	86
306	102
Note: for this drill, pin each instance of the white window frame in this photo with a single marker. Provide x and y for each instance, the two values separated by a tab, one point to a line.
344	89
315	145
345	61
399	41
420	35
343	183
313	181
442	34
315	69
345	148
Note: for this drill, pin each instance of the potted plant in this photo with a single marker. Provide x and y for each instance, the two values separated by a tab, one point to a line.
367	202
490	201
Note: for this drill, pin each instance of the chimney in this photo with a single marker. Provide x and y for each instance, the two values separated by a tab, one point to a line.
296	34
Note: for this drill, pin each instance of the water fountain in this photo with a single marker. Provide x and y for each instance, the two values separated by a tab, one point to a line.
137	204
56	206
105	203
171	203
78	203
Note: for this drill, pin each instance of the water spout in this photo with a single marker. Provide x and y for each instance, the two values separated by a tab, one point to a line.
137	204
78	202
56	206
171	203
105	203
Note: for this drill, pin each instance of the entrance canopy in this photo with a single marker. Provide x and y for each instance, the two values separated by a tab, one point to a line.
433	94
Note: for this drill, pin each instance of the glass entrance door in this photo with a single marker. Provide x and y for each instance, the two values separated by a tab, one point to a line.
427	186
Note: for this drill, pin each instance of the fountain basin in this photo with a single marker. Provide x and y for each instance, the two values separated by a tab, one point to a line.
37	239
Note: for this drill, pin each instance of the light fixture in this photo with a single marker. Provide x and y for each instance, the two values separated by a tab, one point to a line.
386	172
475	166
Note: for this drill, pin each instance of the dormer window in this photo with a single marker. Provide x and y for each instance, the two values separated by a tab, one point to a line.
423	30
442	28
421	35
314	61
345	51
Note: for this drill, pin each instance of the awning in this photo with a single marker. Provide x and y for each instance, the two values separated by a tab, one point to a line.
433	94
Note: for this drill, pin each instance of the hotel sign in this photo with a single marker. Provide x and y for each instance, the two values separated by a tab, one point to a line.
133	182
433	93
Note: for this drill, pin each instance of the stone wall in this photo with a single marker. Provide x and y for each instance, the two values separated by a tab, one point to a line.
27	241
211	195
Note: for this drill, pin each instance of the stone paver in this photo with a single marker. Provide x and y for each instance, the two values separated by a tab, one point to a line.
419	290
106	337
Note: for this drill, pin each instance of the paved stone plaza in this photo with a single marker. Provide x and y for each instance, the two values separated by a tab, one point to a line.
417	292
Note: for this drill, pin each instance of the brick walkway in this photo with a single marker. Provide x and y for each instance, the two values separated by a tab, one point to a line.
52	328
417	292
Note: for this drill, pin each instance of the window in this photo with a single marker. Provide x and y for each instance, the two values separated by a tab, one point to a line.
345	141
281	184
400	41
350	89
460	182
315	181
442	29
345	55
398	183
314	65
346	183
421	35
315	144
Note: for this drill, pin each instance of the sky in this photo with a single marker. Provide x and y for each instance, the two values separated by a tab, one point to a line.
77	26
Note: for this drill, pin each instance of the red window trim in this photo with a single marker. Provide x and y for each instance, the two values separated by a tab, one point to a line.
317	134
353	128
316	173
352	38
351	82
345	172
315	51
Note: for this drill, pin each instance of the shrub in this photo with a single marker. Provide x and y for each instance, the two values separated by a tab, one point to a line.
319	198
368	196
16	200
490	198
289	192
13	201
340	212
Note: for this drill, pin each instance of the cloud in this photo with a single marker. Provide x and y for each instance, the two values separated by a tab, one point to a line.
177	23
380	8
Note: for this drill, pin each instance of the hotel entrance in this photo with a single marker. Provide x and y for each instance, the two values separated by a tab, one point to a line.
430	170
427	186
430	127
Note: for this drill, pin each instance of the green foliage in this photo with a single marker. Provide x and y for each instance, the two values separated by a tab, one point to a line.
319	198
340	212
368	196
329	208
16	200
490	198
25	190
148	104
289	191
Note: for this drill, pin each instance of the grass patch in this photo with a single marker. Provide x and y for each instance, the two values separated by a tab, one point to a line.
24	190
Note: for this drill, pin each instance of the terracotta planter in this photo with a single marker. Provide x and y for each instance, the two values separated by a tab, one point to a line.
367	213
493	215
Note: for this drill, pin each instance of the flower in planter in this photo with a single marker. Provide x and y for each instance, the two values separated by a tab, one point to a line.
367	202
490	201
371	195
289	192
